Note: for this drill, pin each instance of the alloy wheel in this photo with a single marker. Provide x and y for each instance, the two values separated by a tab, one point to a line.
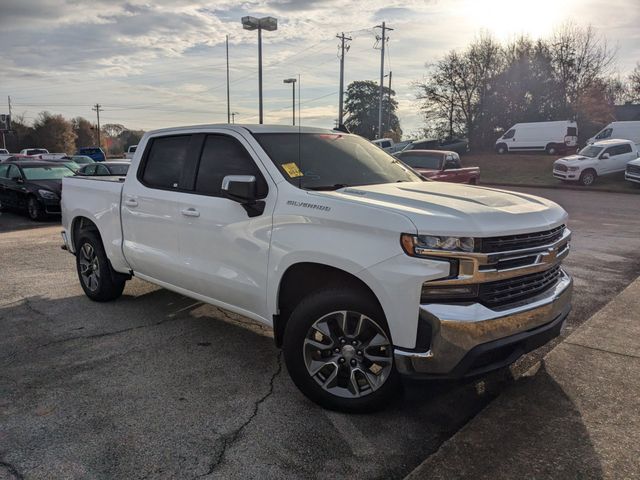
89	267
348	354
33	208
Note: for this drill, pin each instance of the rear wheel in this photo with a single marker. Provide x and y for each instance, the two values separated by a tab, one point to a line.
98	280
587	177
34	209
338	351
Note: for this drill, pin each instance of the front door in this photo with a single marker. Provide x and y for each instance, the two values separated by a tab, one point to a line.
224	249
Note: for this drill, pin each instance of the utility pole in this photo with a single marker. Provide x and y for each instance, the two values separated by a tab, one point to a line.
228	98
343	39
96	109
389	103
383	38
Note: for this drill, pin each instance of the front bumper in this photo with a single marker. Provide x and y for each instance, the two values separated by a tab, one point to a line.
51	205
470	339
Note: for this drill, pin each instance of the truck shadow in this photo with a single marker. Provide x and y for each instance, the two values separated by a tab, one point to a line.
159	384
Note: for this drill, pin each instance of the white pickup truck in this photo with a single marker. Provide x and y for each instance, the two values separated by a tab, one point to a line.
364	270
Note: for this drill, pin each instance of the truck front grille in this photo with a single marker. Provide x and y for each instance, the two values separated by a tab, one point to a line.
560	168
519	242
503	292
635	169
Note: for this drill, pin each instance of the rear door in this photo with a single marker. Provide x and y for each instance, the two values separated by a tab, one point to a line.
151	218
4	181
224	250
624	154
616	161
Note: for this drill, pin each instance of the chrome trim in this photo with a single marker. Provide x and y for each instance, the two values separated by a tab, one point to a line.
236	178
472	266
459	328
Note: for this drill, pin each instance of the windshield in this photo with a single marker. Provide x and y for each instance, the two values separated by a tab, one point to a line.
46	173
591	151
82	159
327	161
426	161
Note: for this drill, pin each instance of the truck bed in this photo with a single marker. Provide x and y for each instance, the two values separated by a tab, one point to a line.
98	199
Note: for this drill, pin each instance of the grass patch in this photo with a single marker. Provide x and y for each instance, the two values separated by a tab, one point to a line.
535	169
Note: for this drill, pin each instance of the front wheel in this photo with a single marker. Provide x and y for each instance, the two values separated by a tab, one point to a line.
587	178
551	149
98	280
339	353
35	210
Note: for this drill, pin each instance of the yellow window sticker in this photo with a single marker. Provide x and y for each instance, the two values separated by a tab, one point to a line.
292	170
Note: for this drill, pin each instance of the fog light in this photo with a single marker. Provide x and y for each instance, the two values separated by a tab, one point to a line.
431	292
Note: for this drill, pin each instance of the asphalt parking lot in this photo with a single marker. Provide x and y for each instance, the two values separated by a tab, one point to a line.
156	385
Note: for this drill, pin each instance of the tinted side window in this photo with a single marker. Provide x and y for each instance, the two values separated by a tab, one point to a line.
222	156
509	134
14	172
572	132
165	161
90	170
626	148
3	171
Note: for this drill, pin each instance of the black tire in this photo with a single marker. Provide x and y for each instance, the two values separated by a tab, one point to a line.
35	210
108	284
502	148
473	181
551	149
587	177
320	305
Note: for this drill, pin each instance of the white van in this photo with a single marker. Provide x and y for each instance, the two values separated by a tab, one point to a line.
550	137
627	130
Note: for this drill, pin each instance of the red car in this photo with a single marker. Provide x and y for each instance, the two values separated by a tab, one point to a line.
439	165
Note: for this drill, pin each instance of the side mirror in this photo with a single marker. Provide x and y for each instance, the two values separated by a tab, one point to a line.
243	189
604	156
240	188
449	165
17	179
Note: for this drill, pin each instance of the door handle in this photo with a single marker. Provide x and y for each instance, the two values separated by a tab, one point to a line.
130	202
190	212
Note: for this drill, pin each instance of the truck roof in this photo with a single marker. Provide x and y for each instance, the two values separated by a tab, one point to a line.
612	141
253	128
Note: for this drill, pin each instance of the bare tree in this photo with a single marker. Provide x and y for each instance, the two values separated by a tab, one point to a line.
580	57
634	84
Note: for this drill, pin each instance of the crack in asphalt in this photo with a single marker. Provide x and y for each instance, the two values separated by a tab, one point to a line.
11	469
229	439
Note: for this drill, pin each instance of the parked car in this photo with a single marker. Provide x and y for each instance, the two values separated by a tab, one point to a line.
627	130
33	186
458	145
16	157
601	158
96	153
4	154
632	173
130	151
105	168
34	151
550	137
440	166
364	270
51	156
4	151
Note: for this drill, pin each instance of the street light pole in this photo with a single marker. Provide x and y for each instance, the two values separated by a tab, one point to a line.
266	23
292	81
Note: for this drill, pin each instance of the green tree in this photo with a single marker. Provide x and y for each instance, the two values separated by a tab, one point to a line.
54	133
84	131
361	106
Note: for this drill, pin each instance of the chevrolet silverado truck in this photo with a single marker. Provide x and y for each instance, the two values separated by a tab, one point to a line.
364	271
441	166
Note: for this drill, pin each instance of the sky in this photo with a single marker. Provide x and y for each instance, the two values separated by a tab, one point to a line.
161	63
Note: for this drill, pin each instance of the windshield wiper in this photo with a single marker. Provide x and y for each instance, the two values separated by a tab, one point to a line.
336	186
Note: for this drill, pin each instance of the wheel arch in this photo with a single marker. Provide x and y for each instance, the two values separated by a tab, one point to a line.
302	278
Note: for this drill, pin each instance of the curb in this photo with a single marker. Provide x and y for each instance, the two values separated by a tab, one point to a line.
559	187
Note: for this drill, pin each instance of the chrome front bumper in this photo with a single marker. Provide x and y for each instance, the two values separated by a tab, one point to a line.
462	332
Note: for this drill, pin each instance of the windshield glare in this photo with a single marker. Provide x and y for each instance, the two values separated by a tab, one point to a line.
46	173
426	161
591	151
331	161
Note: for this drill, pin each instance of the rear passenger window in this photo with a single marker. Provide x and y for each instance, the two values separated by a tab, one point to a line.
222	156
625	148
165	161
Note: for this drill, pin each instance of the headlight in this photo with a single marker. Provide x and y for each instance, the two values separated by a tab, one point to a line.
573	169
47	194
419	245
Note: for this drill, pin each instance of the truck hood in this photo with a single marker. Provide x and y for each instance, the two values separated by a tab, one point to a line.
451	209
573	159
